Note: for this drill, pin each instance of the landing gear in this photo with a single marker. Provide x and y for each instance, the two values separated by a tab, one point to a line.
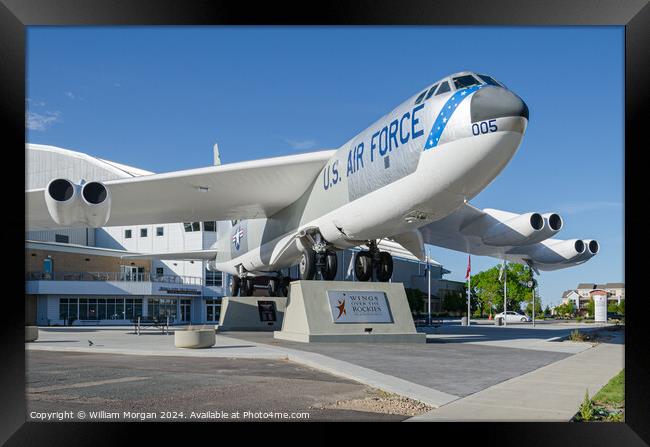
383	267
328	271
373	260
363	266
248	287
307	266
233	285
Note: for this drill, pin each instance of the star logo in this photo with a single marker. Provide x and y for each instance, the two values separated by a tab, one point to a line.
237	237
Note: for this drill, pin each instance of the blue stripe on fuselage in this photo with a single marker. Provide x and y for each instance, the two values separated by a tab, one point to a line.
445	115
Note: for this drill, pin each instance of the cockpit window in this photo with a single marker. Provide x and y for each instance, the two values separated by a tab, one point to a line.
488	80
421	97
465	81
444	88
431	90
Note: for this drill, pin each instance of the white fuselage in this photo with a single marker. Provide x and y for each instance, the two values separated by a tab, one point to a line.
384	181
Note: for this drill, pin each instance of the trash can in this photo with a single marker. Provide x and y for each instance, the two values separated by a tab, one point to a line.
463	321
498	321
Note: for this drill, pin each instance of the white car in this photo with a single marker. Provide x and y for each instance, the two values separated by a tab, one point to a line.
512	317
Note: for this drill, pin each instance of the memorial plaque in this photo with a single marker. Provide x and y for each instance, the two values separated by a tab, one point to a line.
267	310
359	307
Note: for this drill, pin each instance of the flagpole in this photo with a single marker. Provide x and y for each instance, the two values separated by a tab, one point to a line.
505	293
469	285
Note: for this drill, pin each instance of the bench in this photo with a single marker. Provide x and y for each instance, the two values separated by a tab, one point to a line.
140	323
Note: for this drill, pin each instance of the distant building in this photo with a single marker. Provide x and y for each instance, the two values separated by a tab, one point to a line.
581	295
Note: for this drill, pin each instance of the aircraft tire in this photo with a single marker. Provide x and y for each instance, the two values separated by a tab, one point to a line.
331	266
273	287
307	265
384	268
234	285
248	287
363	266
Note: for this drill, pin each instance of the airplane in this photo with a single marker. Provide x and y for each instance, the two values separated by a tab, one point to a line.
404	181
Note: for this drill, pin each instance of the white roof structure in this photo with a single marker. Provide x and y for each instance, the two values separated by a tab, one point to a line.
46	162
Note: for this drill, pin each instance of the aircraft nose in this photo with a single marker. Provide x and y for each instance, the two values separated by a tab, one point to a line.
496	102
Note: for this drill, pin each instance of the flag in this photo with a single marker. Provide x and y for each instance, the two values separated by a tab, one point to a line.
503	264
469	266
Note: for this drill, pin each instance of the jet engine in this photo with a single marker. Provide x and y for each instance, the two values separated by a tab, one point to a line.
69	204
558	251
518	230
96	204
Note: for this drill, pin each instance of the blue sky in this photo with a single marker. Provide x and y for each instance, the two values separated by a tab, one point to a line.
159	98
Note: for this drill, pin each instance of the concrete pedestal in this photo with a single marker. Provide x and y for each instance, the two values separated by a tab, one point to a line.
31	333
342	311
194	338
251	313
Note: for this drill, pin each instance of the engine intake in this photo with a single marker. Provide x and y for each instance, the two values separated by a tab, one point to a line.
518	230
70	204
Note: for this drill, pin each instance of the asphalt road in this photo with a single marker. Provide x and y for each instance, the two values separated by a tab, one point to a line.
166	386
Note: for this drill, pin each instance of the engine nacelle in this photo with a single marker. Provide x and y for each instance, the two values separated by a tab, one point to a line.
558	251
70	204
96	207
592	248
518	230
62	201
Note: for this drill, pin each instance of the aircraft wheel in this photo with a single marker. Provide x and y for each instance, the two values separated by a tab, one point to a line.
248	288
331	266
384	267
283	289
233	285
307	266
273	287
363	266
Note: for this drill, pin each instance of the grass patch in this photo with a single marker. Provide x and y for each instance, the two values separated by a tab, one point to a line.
608	405
613	393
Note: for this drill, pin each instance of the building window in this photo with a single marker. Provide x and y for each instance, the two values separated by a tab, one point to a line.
161	308
212	310
213	279
127	234
192	226
160	271
160	231
68	308
61	238
209	226
143	232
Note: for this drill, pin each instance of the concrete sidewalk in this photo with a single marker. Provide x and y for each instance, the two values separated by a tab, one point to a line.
549	394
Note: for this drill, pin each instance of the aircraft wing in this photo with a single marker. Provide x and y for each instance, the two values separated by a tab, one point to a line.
521	238
244	190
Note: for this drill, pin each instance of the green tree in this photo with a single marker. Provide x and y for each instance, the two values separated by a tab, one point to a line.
454	301
565	310
489	289
547	311
621	308
612	307
590	307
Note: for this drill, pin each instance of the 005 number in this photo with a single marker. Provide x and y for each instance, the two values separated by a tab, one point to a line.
484	127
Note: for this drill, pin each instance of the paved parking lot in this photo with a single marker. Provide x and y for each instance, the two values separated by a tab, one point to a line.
454	368
71	381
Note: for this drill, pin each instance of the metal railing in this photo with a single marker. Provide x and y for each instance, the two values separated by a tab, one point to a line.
113	276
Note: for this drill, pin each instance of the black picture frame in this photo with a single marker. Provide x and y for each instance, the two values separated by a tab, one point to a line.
634	15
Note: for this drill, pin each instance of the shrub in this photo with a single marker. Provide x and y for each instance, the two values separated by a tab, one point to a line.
587	408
